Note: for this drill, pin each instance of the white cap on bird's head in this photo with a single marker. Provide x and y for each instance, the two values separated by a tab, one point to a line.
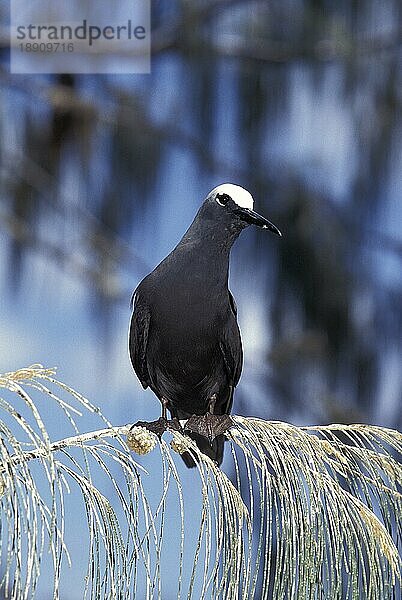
238	194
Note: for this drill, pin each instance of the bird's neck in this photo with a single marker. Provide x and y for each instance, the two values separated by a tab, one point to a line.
212	237
209	248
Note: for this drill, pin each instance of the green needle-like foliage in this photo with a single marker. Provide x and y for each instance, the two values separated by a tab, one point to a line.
309	512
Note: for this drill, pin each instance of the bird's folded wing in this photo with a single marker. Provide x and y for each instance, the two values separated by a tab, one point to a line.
232	352
138	340
231	346
233	304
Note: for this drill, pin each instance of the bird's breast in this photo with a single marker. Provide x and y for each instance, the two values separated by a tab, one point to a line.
184	357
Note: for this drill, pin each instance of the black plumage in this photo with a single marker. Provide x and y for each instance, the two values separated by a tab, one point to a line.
184	339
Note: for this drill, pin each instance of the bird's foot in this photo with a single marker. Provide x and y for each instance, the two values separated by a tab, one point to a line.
209	425
174	425
159	426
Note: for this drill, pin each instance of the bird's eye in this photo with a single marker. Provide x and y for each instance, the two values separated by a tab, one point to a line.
222	199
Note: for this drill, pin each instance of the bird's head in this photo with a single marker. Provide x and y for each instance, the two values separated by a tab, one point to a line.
232	203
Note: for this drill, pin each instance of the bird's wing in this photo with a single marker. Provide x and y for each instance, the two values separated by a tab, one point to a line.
138	339
233	304
231	346
233	358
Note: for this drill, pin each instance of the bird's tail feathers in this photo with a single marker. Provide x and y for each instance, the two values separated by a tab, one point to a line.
213	451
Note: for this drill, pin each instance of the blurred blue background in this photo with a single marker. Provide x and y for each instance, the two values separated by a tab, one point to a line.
299	102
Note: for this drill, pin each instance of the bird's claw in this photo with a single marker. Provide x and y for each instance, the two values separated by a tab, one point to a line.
209	425
174	425
160	425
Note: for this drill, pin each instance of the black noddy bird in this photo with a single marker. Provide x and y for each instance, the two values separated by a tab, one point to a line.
184	338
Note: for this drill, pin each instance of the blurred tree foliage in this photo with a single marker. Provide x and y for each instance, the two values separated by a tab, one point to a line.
82	158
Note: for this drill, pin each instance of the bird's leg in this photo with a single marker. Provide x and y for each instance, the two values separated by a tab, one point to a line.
160	425
211	405
209	425
172	423
165	403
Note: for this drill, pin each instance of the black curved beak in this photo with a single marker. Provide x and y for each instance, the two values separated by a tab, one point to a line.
253	218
